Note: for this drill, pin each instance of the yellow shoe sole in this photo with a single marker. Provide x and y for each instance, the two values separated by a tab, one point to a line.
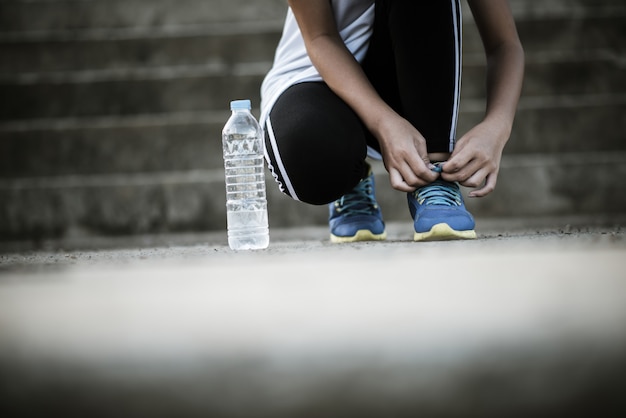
361	235
443	232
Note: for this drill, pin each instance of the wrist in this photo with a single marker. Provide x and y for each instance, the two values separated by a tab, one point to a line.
382	123
502	126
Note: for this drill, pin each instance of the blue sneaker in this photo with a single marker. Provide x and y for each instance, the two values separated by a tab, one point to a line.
439	213
356	216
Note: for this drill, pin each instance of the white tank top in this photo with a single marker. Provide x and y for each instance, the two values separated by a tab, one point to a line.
291	63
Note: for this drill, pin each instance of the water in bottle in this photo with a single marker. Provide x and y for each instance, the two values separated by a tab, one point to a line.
246	203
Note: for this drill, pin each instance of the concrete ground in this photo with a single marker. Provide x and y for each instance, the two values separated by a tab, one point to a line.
528	320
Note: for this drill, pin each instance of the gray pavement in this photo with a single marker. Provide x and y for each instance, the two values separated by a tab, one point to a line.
528	320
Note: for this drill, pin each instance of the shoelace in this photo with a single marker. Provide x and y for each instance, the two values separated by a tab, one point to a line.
359	201
441	193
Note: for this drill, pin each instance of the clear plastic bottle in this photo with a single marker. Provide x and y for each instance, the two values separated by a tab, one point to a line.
246	202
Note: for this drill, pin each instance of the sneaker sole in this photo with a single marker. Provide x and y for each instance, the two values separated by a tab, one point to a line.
361	235
443	232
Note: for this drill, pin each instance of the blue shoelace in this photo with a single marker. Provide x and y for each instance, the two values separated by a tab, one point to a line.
440	192
358	201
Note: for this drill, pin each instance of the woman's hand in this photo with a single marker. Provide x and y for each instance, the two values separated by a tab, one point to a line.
404	154
475	161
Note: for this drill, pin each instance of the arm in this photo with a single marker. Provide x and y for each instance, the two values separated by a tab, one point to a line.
403	147
475	161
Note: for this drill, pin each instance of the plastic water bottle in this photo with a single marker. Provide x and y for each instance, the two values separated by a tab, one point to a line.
246	202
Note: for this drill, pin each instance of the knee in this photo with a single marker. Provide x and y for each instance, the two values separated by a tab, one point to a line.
312	173
315	143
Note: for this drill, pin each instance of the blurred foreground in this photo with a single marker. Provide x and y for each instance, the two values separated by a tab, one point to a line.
519	323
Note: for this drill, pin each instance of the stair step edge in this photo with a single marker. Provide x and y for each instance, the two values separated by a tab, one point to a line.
219	116
217	175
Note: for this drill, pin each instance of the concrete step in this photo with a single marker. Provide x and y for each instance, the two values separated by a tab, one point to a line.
191	141
577	183
52	15
116	49
148	143
97	49
133	91
197	88
576	32
564	73
542	8
529	185
555	124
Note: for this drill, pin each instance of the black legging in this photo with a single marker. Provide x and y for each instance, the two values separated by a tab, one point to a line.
317	145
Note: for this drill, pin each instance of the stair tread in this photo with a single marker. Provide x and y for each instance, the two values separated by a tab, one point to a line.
188	49
42	14
198	88
205	116
155	143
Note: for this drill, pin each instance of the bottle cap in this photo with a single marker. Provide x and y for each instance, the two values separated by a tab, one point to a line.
240	105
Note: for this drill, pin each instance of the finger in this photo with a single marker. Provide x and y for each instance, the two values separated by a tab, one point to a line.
423	178
488	187
408	174
420	178
423	168
398	182
421	172
460	157
427	174
461	174
475	180
456	163
404	178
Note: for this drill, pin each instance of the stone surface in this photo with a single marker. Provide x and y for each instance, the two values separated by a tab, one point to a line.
522	322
